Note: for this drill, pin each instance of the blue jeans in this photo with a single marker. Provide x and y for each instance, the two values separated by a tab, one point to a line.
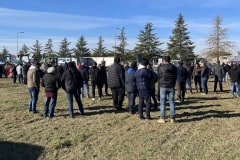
164	92
33	91
86	88
204	85
52	102
70	102
235	88
131	101
144	95
188	82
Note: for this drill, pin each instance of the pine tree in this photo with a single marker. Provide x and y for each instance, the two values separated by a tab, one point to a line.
120	50
100	51
217	42
148	43
180	45
36	51
4	54
64	50
81	49
48	51
24	51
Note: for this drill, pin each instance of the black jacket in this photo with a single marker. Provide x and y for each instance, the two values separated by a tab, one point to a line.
234	74
182	74
167	75
71	74
84	73
116	76
51	82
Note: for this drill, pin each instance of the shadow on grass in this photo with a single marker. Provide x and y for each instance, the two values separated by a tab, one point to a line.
96	110
200	115
19	151
92	110
197	107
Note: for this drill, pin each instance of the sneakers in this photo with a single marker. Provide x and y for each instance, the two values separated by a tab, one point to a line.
161	121
93	99
172	120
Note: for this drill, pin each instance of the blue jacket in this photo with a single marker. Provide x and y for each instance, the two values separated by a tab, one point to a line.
130	80
143	78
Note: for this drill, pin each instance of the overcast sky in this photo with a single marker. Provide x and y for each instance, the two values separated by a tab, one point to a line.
56	19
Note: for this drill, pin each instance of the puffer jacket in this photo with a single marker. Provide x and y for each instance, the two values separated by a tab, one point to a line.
51	82
143	78
116	76
167	75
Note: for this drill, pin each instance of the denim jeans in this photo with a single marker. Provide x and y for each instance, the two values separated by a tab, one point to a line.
144	95
204	85
70	103
86	88
235	88
189	84
131	101
52	102
33	91
164	92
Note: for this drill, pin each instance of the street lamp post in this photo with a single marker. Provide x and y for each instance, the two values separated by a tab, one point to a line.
17	40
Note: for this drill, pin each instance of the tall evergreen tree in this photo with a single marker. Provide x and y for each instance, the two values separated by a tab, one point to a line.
36	51
100	51
24	51
148	43
218	44
64	50
81	49
180	46
3	54
48	49
121	49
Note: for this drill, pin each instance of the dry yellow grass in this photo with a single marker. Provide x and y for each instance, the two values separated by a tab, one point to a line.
208	129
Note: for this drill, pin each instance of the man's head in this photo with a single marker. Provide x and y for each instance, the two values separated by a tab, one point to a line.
117	59
144	62
166	59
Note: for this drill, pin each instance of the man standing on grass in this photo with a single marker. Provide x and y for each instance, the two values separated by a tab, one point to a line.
218	72
72	84
167	75
33	83
143	81
234	74
182	76
116	77
51	83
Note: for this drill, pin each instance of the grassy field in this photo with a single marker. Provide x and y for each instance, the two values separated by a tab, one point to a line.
208	128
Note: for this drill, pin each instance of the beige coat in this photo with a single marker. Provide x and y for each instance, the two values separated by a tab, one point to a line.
33	78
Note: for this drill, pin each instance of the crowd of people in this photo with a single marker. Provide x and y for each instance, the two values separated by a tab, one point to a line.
134	80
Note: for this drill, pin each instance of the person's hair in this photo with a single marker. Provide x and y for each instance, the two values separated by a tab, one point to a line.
167	59
117	59
144	62
71	65
133	64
